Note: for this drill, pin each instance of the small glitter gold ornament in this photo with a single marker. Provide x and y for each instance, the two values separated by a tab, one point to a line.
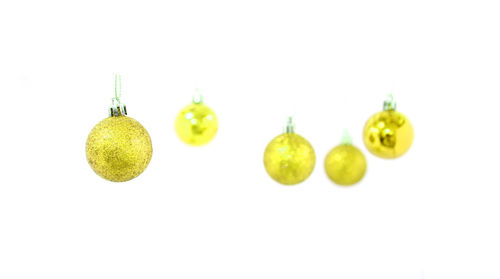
388	134
289	158
118	148
345	164
196	124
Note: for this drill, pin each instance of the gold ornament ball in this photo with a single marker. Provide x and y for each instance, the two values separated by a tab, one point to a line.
388	134
196	124
289	159
345	165
119	148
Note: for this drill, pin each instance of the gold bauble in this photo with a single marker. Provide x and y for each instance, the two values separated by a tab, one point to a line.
289	159
388	134
196	124
345	165
119	148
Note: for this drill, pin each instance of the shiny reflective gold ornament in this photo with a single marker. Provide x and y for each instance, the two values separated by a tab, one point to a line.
345	164
289	158
388	134
118	148
196	124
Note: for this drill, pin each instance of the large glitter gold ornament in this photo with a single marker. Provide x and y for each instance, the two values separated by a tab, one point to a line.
118	148
196	124
345	164
388	134
289	158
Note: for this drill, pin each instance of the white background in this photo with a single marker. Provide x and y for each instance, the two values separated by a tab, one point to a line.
213	212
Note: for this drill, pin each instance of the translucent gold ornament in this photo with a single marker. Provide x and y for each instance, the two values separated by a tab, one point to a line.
196	124
388	134
118	148
289	158
345	164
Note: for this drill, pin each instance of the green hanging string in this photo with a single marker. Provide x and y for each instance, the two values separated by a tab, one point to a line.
118	93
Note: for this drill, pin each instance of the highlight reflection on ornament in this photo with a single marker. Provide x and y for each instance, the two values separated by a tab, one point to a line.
289	158
388	134
196	124
345	164
118	148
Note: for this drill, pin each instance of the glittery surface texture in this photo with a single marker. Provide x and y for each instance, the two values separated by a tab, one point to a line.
388	134
196	124
289	159
345	165
119	148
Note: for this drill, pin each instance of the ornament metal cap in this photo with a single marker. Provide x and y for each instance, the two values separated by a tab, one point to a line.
346	138
117	108
389	103
198	98
290	126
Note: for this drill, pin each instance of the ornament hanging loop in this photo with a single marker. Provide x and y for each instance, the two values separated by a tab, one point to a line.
117	108
390	103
